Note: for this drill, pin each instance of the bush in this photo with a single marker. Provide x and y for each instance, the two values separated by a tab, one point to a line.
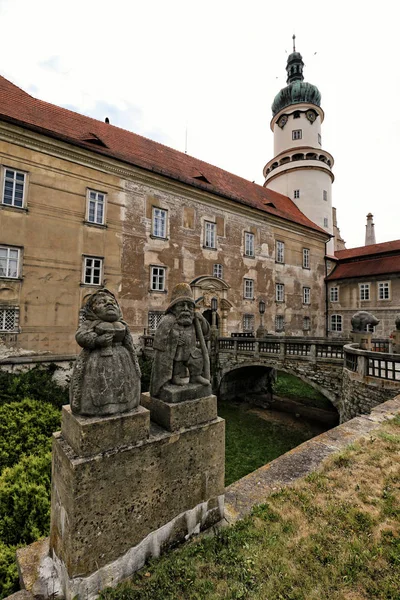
145	366
26	428
37	384
25	500
8	571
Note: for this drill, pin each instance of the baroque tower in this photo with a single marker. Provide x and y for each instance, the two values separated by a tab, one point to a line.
301	169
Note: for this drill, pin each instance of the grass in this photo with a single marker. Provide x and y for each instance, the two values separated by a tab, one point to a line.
290	386
333	536
252	442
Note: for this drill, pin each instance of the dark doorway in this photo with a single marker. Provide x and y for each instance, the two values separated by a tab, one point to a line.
207	314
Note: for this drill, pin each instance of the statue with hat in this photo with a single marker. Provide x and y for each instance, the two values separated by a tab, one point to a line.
176	355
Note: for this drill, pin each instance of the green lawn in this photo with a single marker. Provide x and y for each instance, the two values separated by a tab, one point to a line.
252	442
290	386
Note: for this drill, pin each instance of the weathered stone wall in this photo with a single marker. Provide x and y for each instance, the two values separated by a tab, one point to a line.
361	394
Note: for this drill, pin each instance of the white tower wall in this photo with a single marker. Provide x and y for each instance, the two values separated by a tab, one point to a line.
311	132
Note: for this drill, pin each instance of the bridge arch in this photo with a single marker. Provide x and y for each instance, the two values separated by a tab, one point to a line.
251	377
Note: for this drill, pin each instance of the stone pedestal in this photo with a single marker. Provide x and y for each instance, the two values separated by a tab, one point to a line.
123	490
363	338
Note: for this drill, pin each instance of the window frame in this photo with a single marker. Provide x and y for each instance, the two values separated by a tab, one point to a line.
160	268
332	293
218	268
210	235
91	283
297	134
3	309
306	320
306	295
282	319
8	260
279	292
249	244
362	288
334	326
306	258
296	194
280	252
326	222
325	195
380	288
96	202
251	320
248	288
154	219
4	179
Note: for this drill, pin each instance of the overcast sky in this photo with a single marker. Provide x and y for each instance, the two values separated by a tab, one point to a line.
157	67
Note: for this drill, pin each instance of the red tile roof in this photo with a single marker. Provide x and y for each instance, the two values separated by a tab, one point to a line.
366	268
18	107
368	250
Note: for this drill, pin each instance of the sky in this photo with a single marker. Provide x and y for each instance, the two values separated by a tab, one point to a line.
203	75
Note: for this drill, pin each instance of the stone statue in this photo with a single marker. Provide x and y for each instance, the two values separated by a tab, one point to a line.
176	355
361	319
106	376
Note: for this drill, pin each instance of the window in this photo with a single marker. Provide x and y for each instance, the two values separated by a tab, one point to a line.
8	318
306	323
279	323
296	134
248	322
383	290
9	262
306	295
370	328
334	294
336	322
13	190
157	279
280	292
248	291
209	234
154	319
325	221
218	271
364	291
92	270
325	195
296	114
249	244
296	194
96	206
306	258
159	222
280	252
319	139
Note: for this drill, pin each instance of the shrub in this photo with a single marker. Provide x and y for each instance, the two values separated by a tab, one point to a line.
25	500
37	384
26	428
8	571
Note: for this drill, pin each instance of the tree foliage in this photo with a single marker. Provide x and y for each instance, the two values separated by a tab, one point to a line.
38	384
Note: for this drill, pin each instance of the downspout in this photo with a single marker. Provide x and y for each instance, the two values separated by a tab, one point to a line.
326	292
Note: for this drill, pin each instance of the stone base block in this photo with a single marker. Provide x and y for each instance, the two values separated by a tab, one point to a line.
181	415
363	338
93	435
177	393
48	577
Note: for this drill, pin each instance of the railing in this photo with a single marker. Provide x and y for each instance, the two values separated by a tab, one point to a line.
329	351
368	363
379	345
384	368
289	347
298	349
269	347
351	362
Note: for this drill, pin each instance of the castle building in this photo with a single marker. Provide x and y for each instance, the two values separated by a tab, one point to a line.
85	204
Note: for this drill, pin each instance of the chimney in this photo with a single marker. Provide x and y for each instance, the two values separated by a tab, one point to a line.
370	231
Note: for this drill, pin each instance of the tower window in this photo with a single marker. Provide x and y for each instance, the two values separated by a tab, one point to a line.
319	139
296	115
325	195
297	134
325	221
296	194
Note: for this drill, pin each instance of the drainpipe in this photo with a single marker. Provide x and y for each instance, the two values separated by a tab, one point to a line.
326	292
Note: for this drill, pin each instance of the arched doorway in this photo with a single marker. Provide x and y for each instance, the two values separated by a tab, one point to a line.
207	314
206	287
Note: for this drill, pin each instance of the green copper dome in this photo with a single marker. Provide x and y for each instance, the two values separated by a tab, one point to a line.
297	90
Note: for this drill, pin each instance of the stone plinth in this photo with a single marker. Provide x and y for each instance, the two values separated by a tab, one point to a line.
177	415
177	393
363	338
93	435
114	508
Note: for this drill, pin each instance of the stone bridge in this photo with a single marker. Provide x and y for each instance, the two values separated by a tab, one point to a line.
245	364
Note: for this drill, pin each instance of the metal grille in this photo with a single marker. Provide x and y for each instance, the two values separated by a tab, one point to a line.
154	319
384	369
328	351
269	347
351	362
8	319
298	349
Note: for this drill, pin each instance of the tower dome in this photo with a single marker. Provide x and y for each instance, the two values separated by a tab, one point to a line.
297	91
